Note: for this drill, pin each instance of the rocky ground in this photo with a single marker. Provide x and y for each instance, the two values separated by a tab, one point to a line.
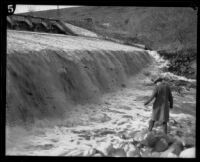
116	126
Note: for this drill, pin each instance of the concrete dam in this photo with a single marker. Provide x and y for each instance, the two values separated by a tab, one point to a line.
47	74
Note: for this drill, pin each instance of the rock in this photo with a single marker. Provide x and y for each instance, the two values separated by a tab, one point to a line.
119	145
171	155
98	155
177	147
131	134
161	145
132	151
188	153
150	139
189	142
155	154
170	139
105	148
118	153
89	152
146	152
140	135
126	148
75	153
129	147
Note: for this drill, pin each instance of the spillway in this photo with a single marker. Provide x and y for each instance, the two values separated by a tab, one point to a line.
49	73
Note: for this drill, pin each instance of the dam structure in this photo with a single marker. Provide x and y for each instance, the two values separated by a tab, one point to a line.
49	73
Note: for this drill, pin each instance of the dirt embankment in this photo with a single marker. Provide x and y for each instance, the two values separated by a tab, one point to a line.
160	28
47	74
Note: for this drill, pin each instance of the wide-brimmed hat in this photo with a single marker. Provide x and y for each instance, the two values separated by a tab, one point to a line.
159	79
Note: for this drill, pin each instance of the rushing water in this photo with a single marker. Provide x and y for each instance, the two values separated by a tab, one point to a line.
162	63
92	124
36	77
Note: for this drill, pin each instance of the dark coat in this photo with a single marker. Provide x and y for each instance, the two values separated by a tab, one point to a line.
163	101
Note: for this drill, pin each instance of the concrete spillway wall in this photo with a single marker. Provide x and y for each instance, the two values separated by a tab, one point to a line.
47	81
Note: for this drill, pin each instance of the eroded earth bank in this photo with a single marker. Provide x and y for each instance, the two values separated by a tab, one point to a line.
76	96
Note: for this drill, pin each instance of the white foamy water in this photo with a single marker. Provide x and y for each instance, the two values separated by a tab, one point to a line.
161	62
88	126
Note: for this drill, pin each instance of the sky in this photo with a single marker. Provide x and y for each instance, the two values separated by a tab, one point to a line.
27	8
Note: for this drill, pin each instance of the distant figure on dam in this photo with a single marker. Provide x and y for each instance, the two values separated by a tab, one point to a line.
163	101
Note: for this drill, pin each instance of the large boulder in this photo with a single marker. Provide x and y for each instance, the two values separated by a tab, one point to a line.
175	148
154	137
161	145
188	153
104	148
150	140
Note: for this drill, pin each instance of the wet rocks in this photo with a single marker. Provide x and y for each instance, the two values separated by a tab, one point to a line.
130	134
98	155
142	143
171	155
146	152
188	153
105	148
177	147
89	152
74	153
118	153
155	154
132	151
188	142
161	145
150	139
139	135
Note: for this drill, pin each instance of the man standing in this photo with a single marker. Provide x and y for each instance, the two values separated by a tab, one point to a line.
163	101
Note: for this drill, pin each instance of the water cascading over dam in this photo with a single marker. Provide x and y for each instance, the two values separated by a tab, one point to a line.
47	73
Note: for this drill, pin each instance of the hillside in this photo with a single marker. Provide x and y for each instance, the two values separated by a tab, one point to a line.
160	28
